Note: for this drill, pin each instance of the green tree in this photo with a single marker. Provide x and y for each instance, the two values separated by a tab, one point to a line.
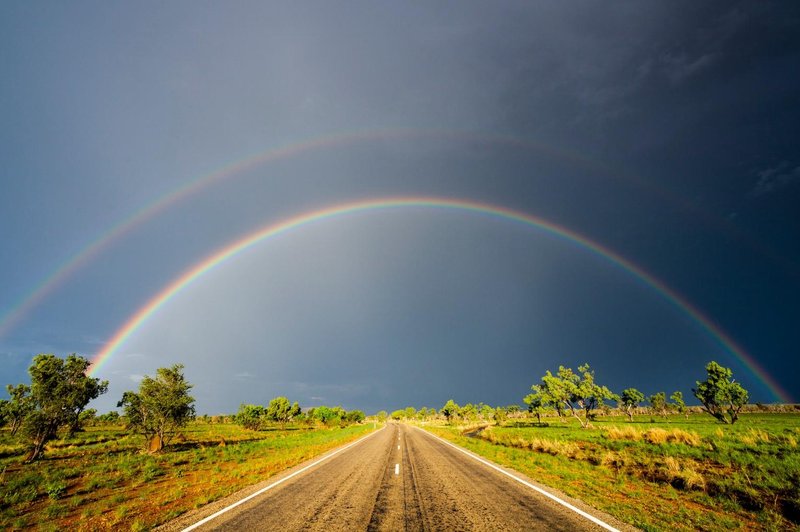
450	410
160	408
382	415
678	404
251	416
18	406
500	415
469	412
355	416
329	415
109	418
720	394
59	391
537	402
658	404
279	410
629	400
87	417
410	412
575	392
397	415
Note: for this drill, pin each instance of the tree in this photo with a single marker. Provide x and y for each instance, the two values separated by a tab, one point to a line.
450	410
280	410
629	400
537	402
678	404
251	416
720	394
18	406
355	416
162	406
382	415
59	391
329	415
109	418
658	404
575	391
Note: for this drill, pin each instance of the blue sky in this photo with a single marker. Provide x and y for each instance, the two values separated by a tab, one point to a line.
665	132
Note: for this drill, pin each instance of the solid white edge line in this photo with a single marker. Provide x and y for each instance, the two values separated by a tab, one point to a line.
284	479
590	517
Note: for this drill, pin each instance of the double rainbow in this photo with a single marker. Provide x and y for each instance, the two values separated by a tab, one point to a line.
318	216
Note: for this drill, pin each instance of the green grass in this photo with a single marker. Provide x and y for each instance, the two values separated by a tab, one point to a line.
100	479
745	475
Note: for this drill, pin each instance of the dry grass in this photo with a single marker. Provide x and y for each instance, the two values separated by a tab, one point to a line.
655	436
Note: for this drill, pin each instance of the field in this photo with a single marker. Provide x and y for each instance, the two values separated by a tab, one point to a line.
100	480
675	473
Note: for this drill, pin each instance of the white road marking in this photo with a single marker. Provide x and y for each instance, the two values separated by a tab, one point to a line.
284	479
588	516
398	447
397	469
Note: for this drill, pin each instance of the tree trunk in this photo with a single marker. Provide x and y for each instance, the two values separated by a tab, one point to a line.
155	444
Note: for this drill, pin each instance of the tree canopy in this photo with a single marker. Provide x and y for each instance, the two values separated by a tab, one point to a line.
161	406
720	394
59	391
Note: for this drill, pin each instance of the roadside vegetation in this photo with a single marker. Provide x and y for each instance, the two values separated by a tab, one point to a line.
100	479
653	463
64	467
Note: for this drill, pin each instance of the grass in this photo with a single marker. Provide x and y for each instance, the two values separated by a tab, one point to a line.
100	480
740	476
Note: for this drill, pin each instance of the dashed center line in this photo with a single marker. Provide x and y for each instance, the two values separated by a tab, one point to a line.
397	469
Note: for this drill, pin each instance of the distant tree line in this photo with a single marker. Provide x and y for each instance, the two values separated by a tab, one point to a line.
576	394
280	411
568	392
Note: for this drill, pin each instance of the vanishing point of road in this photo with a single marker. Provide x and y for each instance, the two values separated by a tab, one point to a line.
398	478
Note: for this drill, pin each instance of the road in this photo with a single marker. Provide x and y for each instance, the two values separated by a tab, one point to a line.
399	478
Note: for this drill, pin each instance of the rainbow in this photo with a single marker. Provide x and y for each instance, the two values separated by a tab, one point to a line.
248	241
17	311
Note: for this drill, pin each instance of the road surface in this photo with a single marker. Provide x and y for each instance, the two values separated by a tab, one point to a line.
399	478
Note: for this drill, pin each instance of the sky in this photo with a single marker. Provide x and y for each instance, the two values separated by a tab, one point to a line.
140	139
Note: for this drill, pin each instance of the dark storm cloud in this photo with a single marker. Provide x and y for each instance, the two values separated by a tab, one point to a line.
641	125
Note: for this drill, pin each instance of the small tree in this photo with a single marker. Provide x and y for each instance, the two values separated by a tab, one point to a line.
450	410
354	416
575	392
382	415
678	404
629	400
537	402
720	394
19	406
658	404
162	406
251	416
59	391
280	410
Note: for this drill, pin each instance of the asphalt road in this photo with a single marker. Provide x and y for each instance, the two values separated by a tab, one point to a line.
400	478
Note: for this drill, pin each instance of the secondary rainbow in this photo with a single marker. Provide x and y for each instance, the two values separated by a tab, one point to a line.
16	312
317	216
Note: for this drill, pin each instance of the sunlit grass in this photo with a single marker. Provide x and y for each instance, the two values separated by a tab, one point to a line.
745	475
100	479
